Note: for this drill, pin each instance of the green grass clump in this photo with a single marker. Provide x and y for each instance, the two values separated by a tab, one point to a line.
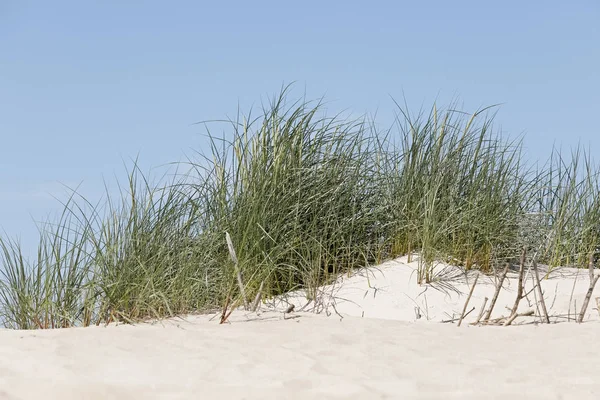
298	193
304	197
568	209
458	190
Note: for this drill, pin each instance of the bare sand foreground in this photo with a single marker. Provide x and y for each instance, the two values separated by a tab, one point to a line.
383	338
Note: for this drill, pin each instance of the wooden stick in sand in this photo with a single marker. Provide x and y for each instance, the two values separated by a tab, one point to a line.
481	312
514	313
488	314
593	281
541	294
462	316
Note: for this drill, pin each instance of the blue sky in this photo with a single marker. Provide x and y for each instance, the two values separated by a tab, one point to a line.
87	85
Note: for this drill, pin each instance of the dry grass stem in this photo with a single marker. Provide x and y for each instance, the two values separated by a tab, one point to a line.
541	300
238	272
256	303
588	296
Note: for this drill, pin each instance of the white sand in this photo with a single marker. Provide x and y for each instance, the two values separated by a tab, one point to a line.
387	353
390	291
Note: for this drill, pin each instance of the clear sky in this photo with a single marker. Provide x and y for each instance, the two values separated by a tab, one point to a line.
87	85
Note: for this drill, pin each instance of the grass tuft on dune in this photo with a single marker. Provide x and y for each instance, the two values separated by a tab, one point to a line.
304	197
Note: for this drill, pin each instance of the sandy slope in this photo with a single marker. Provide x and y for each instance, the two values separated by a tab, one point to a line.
387	353
390	291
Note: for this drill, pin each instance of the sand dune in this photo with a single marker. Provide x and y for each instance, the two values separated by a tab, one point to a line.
372	346
390	291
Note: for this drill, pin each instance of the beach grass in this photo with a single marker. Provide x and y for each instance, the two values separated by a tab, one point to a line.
304	197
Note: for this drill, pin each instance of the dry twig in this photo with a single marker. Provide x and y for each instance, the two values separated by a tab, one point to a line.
541	294
481	312
503	320
224	313
445	321
496	293
593	281
514	312
468	298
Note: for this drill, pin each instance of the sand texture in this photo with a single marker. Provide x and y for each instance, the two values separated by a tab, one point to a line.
378	336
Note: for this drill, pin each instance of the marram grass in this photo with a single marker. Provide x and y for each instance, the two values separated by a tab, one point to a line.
304	197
